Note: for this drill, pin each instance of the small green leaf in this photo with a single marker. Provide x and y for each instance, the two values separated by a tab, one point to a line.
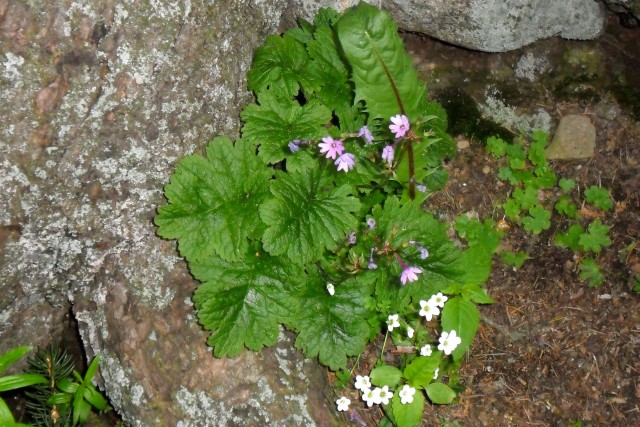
537	155
571	238
13	382
538	219
408	414
12	356
421	370
440	394
517	156
6	417
545	177
564	206
213	201
505	173
60	398
590	271
566	185
476	294
496	146
599	197
596	238
385	375
67	385
307	215
526	198
463	317
95	398
511	209
514	259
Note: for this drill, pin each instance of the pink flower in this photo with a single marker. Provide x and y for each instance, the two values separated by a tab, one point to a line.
410	274
366	134
333	147
387	154
400	125
345	162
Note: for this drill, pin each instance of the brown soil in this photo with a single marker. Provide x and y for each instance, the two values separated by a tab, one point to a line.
551	351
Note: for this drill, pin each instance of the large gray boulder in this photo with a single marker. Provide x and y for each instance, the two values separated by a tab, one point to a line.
100	99
489	25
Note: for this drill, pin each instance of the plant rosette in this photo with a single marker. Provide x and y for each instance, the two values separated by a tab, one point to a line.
314	218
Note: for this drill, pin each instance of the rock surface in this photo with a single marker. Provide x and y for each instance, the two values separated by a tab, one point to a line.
100	99
489	25
575	138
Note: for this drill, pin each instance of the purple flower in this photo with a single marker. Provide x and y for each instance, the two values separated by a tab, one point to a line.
366	134
424	252
352	239
387	154
421	188
410	274
345	162
371	223
400	125
333	147
294	145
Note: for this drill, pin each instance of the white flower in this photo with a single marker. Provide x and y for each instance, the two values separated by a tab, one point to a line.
363	383
410	331
435	374
448	342
392	322
343	403
385	395
438	299
372	396
331	289
426	350
406	394
428	309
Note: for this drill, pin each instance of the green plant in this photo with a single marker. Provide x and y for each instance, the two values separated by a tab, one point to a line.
62	401
313	219
80	394
55	399
528	171
13	382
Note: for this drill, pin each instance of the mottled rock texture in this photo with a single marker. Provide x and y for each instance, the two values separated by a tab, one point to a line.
490	25
100	99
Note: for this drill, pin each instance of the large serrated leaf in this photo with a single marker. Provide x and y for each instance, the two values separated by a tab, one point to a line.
276	122
330	77
382	71
213	201
332	327
281	65
243	303
462	316
307	215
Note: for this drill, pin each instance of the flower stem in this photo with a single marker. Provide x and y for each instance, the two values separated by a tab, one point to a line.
384	344
404	266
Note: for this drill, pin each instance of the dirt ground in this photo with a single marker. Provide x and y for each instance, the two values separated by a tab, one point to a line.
551	351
